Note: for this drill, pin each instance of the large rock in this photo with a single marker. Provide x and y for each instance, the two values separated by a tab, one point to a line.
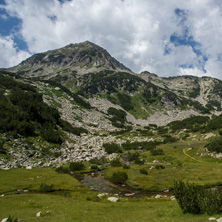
39	214
219	219
113	199
212	219
102	195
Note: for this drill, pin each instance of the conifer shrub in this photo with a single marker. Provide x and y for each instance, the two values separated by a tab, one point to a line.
215	145
133	156
143	171
119	177
192	199
187	196
46	188
160	167
62	169
155	152
96	161
125	166
12	219
115	163
94	167
76	166
139	145
139	161
112	148
2	150
169	139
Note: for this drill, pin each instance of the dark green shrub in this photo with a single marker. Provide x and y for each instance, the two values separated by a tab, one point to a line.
111	148
46	188
189	123
118	113
100	161
125	166
94	199
49	133
94	167
69	128
76	166
62	169
215	123
125	130
139	161
156	152
115	163
153	125
125	101
162	130
143	171
187	196
159	167
192	199
119	177
118	117
65	193
215	145
211	201
132	156
12	219
139	145
57	154
169	139
2	150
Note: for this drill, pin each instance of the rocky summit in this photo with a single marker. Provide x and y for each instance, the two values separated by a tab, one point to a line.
73	59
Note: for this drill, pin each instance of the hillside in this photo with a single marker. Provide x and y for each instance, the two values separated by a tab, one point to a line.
89	71
78	128
81	90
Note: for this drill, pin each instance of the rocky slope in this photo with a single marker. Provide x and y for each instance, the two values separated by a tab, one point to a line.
88	70
94	91
205	90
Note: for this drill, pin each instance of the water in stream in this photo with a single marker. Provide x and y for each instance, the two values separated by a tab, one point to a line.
97	182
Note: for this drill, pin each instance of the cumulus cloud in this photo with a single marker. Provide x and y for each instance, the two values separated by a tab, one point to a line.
164	37
10	54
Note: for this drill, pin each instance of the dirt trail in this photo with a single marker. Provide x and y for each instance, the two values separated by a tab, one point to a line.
184	151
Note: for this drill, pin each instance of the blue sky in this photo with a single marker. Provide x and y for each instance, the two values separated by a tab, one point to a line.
164	37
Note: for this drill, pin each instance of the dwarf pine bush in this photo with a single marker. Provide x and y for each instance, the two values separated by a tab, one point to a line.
192	199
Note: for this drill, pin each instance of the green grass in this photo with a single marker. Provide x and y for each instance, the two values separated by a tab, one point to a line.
67	209
14	179
81	204
204	171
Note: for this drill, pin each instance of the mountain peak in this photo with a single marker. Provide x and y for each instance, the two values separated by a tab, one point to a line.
80	58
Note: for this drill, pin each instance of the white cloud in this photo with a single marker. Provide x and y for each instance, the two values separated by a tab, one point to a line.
10	54
136	32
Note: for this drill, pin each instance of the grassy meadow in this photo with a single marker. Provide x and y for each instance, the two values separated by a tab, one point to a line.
21	198
180	163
